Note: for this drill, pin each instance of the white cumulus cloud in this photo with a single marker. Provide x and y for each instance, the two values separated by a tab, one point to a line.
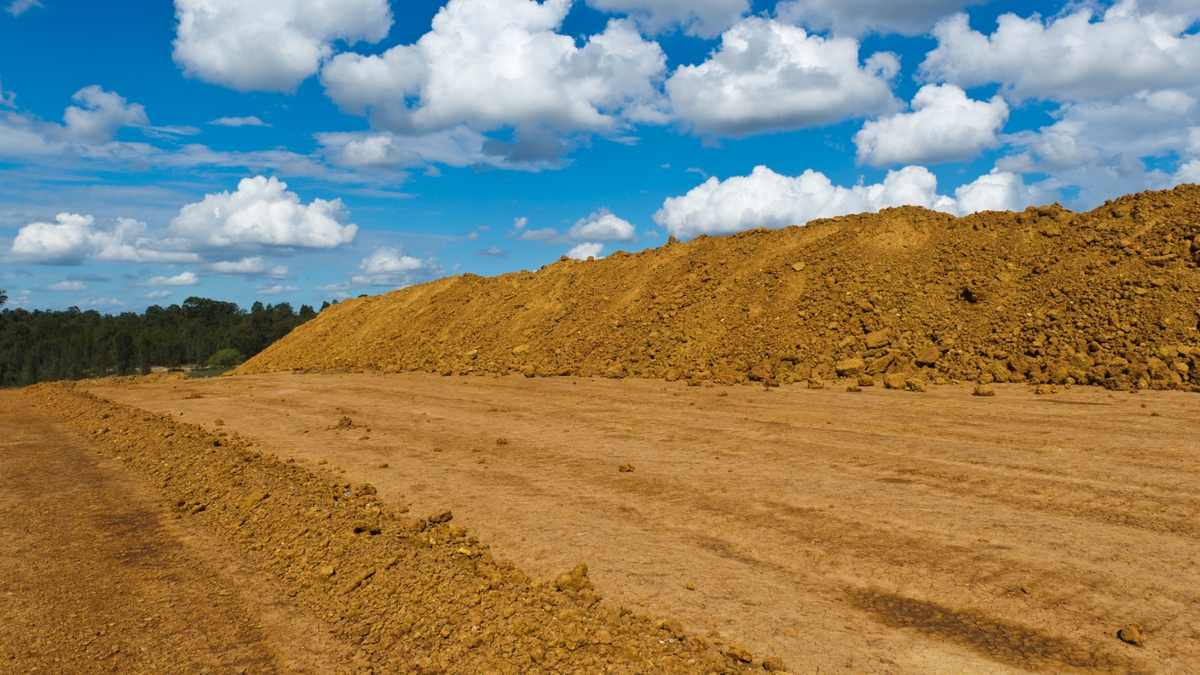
270	45
390	266
182	279
768	199
601	226
1069	57
858	17
944	125
157	295
74	238
262	213
704	18
99	115
19	7
492	64
586	250
770	76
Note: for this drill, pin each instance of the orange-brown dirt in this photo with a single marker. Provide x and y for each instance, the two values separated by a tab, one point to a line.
403	595
850	532
1046	296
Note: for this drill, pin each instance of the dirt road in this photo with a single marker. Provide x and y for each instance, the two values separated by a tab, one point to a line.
878	531
99	578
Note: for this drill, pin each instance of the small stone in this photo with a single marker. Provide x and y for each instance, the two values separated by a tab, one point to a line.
325	571
739	653
854	389
501	441
799	267
984	390
878	339
894	381
915	384
625	468
928	356
219	423
866	381
850	367
691	586
384	465
1131	634
816	383
575	580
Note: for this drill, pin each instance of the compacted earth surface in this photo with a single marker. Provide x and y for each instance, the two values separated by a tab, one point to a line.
818	530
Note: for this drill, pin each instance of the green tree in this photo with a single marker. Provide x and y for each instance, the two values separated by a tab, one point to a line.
3	297
225	358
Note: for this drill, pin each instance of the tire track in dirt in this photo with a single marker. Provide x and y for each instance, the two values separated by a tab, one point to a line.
942	504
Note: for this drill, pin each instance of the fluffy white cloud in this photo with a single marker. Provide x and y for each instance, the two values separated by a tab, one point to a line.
101	115
858	17
256	266
250	121
270	45
75	238
458	147
997	191
767	199
704	18
771	76
944	125
274	289
586	250
261	213
390	266
1070	57
490	64
157	295
182	279
601	226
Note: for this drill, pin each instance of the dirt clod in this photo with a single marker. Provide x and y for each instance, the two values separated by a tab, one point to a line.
895	381
984	390
773	664
625	468
1131	634
740	653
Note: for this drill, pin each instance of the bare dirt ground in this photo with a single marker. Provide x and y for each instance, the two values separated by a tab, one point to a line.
879	531
99	578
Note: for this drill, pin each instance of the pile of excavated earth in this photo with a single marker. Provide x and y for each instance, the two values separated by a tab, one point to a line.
414	595
907	295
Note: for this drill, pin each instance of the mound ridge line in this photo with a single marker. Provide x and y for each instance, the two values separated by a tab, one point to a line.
415	596
1045	296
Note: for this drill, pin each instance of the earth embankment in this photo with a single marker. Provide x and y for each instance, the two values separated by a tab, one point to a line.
1045	296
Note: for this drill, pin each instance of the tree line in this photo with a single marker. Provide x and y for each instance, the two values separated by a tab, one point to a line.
43	346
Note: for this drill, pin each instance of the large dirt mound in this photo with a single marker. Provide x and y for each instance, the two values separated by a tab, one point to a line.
1044	296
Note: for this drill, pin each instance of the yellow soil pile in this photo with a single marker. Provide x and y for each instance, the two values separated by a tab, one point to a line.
412	596
1045	296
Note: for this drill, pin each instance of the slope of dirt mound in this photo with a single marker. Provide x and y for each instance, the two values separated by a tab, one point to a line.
1043	296
415	596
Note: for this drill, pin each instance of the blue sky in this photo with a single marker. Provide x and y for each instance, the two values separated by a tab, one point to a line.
305	150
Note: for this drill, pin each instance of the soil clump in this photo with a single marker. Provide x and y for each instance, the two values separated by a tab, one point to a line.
1045	296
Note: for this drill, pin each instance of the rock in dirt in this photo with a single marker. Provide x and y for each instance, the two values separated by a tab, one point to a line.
576	580
1131	634
740	653
984	390
441	517
866	381
916	384
928	356
894	381
878	339
850	367
816	383
625	468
